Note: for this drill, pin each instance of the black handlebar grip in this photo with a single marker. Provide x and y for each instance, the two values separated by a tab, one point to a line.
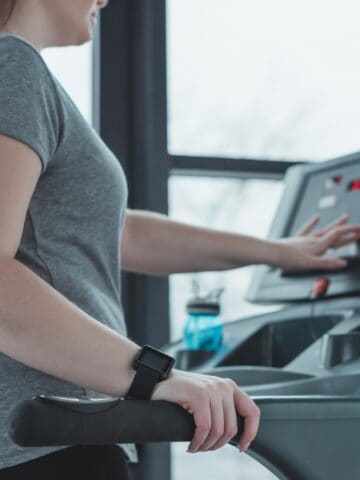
51	420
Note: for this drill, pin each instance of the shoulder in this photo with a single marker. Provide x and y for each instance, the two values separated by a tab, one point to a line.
15	43
16	52
23	67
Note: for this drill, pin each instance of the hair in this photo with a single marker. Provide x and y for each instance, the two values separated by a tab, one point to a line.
6	10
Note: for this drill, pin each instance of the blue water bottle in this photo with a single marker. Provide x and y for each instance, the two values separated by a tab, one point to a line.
203	329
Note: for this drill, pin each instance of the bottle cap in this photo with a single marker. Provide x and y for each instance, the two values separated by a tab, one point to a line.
201	305
206	304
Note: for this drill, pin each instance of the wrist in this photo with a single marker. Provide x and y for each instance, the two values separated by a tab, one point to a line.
156	393
150	366
269	252
277	253
131	372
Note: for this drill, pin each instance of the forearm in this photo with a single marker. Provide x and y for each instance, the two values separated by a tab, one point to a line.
41	328
157	245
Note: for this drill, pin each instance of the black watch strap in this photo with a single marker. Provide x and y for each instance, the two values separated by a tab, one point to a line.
143	383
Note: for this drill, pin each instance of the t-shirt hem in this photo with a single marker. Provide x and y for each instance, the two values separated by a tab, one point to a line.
38	148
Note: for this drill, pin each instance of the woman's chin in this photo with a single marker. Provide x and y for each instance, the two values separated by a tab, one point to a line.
85	36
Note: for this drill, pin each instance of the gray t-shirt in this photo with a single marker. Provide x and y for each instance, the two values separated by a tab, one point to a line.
73	226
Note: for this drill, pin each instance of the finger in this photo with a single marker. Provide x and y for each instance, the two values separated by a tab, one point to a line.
340	221
187	407
330	239
305	229
251	413
326	263
230	423
217	424
346	240
202	419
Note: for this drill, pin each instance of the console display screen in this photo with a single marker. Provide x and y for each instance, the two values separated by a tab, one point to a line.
328	189
330	194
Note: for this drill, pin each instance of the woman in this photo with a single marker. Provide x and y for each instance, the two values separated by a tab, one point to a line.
66	233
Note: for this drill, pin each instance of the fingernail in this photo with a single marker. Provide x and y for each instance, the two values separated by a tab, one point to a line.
246	447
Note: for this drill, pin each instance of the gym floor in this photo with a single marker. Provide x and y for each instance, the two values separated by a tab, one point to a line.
226	462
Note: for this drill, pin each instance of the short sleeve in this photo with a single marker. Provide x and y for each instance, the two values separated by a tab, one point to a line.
29	108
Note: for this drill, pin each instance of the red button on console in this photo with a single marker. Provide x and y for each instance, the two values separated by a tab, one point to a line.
320	287
354	185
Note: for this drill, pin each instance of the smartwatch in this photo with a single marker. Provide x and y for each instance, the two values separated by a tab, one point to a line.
152	366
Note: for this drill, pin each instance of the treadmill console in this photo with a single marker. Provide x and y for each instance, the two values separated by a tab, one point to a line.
330	189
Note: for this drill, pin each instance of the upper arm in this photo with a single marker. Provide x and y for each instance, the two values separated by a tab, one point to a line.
30	109
20	169
30	127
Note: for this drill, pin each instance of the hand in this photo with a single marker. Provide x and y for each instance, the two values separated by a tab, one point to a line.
214	402
305	250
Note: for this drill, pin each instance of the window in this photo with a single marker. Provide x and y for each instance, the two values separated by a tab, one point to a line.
259	79
72	67
236	93
229	204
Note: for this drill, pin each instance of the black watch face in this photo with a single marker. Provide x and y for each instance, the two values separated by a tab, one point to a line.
157	361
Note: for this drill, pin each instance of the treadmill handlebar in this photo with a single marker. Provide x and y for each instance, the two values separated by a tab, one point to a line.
285	426
52	420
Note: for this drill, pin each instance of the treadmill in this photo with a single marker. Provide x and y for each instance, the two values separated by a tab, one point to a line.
300	364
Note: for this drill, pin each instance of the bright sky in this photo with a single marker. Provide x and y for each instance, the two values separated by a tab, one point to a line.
264	78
